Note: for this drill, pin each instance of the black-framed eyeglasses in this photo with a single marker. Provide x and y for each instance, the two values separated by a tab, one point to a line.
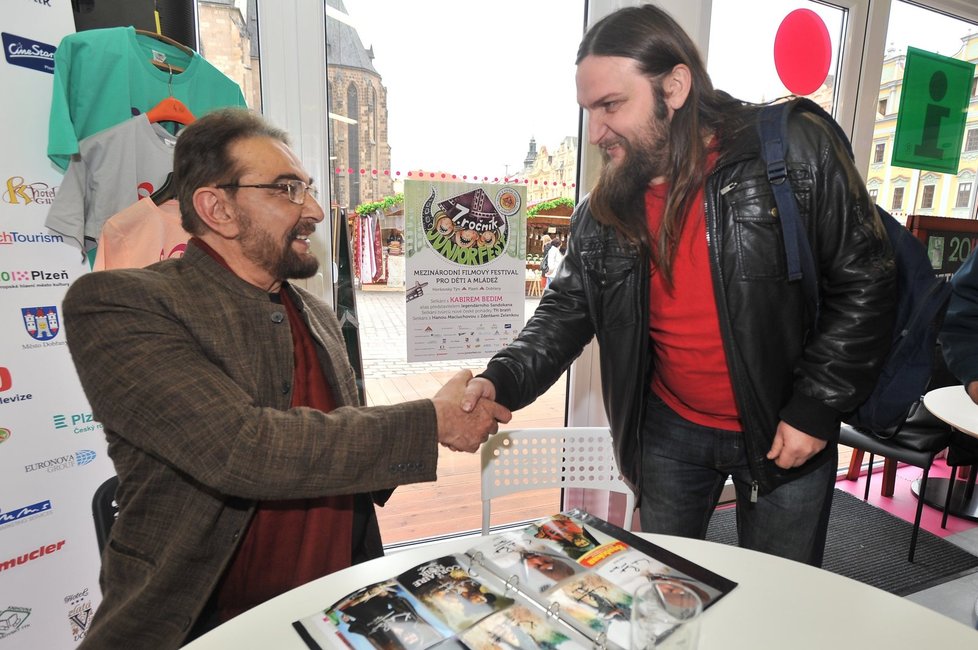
296	190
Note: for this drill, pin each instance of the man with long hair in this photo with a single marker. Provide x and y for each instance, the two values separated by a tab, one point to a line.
711	363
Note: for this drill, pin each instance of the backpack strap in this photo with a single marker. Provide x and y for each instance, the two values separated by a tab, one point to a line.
772	127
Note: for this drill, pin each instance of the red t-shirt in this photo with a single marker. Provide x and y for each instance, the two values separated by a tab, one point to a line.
289	543
691	374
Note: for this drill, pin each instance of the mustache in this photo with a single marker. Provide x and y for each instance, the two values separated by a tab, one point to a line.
301	231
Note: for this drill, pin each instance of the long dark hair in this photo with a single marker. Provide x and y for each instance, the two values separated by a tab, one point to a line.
658	44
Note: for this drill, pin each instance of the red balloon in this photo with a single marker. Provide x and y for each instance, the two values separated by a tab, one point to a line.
802	52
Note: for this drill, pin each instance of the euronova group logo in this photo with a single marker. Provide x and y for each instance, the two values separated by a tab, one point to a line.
20	192
28	53
13	619
67	461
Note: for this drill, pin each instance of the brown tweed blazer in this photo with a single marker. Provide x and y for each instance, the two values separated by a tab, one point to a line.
189	370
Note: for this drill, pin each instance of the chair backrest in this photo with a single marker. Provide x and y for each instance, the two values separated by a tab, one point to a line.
530	459
105	510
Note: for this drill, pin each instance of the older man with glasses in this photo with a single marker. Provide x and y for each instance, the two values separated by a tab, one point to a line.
246	464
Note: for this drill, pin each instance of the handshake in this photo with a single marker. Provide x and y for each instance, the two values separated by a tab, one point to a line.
467	414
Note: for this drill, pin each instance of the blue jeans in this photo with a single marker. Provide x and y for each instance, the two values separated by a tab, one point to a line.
684	468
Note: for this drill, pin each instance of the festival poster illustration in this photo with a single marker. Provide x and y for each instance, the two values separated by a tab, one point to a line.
465	245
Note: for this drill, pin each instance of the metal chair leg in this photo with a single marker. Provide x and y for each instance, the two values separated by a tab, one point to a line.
920	510
869	476
947	498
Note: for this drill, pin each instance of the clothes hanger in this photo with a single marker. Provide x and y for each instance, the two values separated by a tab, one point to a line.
170	109
166	191
166	39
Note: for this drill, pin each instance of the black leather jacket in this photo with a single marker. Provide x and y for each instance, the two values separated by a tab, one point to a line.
782	368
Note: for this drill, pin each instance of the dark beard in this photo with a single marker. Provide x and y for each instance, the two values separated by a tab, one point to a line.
623	186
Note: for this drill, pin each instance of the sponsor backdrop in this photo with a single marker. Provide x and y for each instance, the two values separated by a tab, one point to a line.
52	453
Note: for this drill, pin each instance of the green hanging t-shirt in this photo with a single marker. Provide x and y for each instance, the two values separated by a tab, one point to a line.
103	77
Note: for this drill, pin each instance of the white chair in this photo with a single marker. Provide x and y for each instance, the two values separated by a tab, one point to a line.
533	459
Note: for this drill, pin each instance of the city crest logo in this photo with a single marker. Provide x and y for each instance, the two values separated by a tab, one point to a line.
28	53
42	323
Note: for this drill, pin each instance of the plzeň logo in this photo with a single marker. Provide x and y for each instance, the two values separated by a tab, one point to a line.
28	53
77	459
80	422
23	513
13	619
20	192
42	323
33	278
79	613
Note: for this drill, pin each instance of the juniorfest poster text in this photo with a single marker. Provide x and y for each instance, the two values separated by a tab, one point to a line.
466	264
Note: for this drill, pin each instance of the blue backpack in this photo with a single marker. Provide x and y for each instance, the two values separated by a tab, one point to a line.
922	296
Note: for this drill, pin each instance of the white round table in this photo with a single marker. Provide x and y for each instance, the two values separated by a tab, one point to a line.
951	404
778	604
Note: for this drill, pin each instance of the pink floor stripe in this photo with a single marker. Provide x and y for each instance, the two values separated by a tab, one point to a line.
903	503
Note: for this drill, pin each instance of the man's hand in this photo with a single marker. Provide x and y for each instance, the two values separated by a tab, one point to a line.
466	430
971	388
792	447
477	389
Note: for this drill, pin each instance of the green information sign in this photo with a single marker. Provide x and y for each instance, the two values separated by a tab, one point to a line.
933	110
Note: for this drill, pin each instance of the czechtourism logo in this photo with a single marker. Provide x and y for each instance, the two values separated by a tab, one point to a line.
20	192
11	238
